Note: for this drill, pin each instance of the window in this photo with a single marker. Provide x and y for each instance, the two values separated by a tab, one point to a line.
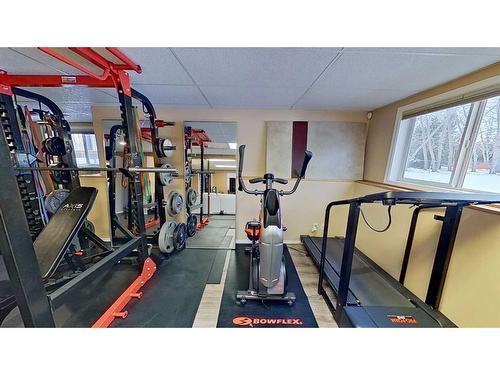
85	149
455	147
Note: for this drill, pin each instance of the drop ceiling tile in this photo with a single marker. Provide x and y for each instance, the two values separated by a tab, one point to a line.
159	66
77	94
73	112
478	51
252	97
15	63
271	67
349	99
77	112
408	72
224	132
230	132
57	67
173	95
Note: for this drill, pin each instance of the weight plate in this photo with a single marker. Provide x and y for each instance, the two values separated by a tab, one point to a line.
162	148
54	146
165	178
54	199
165	145
166	237
175	203
191	196
60	177
192	220
158	148
89	225
83	241
180	236
187	175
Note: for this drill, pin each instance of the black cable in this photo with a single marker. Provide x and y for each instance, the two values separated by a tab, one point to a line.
378	230
264	304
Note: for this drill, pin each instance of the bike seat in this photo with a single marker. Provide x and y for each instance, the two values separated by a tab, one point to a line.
253	224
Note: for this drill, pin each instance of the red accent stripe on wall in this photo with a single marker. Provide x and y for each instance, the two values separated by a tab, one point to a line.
299	145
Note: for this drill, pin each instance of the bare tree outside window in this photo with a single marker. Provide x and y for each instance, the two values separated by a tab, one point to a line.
456	147
483	172
436	138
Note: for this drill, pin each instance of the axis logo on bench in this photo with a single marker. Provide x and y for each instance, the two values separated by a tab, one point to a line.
254	321
72	206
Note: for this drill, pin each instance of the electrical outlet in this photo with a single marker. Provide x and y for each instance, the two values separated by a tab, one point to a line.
314	227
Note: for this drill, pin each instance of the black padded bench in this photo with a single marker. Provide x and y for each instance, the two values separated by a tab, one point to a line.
52	243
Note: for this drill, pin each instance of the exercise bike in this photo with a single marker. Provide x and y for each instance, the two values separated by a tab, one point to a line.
268	276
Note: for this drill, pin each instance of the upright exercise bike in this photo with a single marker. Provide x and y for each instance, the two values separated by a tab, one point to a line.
268	278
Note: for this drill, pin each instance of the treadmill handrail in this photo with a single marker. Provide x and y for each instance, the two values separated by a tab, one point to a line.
451	201
417	197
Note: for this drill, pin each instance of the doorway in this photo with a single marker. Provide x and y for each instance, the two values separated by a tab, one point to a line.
214	179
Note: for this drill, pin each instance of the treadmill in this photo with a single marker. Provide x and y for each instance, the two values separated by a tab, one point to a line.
366	295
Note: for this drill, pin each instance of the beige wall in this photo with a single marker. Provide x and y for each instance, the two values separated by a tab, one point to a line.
300	210
219	180
381	125
471	293
472	289
99	214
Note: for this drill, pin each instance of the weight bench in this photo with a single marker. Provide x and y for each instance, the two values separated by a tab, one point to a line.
52	244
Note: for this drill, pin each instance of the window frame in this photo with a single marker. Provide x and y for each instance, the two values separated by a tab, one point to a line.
401	138
85	145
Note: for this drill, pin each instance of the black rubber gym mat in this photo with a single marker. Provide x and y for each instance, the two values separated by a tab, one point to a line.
217	267
171	298
262	314
208	238
86	304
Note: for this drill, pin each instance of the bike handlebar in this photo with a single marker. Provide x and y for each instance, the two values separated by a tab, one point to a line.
256	180
241	183
280	181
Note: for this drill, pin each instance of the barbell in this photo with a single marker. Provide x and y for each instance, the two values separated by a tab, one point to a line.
126	171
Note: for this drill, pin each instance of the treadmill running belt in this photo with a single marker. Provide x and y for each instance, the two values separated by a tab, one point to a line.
383	301
367	285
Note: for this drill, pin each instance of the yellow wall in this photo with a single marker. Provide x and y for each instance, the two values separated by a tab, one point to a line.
300	210
471	293
382	123
219	180
99	214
